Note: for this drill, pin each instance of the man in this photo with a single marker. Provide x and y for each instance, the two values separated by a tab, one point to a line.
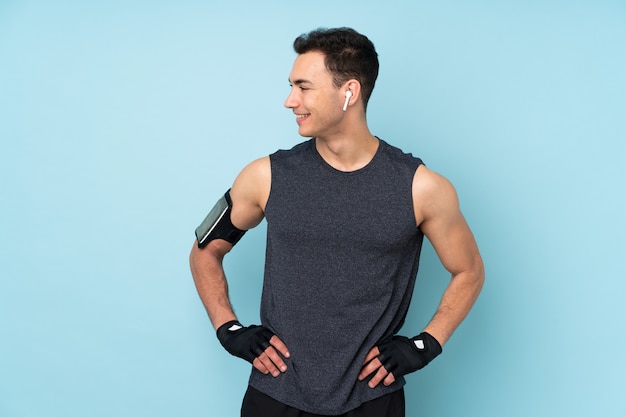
346	215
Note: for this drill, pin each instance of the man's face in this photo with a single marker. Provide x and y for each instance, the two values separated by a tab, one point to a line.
314	99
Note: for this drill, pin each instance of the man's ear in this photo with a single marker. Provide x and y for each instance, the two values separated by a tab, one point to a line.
352	93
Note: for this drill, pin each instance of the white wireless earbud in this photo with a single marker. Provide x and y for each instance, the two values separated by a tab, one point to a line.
348	95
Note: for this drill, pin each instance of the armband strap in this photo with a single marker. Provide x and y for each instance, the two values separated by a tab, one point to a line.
217	224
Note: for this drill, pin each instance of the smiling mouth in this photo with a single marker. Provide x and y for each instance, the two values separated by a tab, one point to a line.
300	118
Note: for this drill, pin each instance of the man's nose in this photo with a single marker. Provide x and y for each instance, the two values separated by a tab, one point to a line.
291	101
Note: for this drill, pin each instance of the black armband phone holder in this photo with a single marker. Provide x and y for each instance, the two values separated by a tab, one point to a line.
217	224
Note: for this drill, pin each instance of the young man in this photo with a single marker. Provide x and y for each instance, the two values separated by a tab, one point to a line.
346	215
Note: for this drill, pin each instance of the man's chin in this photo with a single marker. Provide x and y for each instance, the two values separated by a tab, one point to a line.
305	134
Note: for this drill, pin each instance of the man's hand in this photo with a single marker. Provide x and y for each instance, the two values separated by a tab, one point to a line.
256	344
398	356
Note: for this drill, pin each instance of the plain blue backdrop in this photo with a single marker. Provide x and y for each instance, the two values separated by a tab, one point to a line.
121	123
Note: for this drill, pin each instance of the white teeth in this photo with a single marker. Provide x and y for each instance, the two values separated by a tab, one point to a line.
300	116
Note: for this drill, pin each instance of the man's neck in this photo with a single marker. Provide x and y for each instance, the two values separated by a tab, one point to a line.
348	152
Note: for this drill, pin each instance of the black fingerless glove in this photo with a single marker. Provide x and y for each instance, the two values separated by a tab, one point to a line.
244	342
401	355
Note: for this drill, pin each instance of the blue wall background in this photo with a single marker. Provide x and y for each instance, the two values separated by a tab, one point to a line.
122	122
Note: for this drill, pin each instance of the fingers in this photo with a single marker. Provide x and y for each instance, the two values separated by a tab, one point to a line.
270	361
260	366
373	366
380	374
370	364
371	354
369	368
389	379
279	345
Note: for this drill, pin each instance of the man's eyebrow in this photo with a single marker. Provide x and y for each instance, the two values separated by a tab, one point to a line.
299	82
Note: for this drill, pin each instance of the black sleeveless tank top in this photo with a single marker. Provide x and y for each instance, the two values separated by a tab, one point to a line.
342	256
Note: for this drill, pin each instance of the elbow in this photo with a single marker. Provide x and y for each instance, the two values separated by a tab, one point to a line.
193	258
193	254
472	276
479	275
211	253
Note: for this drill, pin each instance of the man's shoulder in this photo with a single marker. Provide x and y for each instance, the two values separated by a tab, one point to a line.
431	180
256	172
397	155
431	189
259	171
297	149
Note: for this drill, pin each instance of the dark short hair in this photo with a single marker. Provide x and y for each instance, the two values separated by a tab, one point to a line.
348	55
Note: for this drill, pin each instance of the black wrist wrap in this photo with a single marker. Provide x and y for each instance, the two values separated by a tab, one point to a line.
244	342
401	355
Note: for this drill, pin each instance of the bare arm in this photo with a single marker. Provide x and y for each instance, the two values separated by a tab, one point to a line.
249	194
444	225
208	275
